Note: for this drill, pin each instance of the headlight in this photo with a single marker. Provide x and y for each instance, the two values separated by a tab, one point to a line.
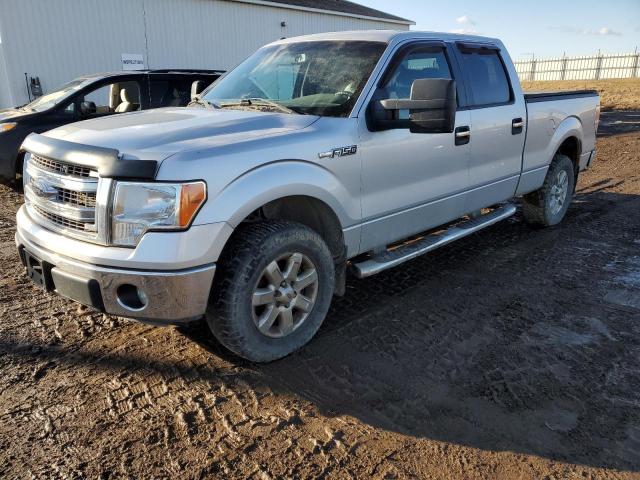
5	127
140	207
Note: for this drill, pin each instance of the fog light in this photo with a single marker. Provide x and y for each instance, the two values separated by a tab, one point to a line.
131	297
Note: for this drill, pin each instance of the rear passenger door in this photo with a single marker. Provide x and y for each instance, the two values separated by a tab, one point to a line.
497	132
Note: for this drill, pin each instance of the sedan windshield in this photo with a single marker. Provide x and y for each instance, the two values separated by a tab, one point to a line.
52	99
317	78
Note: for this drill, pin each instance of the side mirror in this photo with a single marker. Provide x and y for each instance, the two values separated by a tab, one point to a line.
196	88
438	111
87	108
432	108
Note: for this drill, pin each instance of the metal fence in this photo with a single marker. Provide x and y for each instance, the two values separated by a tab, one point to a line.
625	65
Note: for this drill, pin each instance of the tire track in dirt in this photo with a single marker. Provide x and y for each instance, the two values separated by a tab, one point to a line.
512	353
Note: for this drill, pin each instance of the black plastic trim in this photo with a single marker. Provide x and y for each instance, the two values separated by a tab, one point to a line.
559	95
106	161
477	46
82	290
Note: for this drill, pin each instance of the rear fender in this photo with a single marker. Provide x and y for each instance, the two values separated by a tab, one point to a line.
569	127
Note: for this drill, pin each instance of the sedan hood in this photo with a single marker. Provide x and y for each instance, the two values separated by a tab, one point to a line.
158	134
12	113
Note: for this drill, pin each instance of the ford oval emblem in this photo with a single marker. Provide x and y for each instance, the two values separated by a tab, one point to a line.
41	188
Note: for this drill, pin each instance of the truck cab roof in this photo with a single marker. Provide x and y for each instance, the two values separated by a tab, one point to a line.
386	36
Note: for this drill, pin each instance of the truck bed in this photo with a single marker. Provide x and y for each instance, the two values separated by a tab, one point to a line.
549	116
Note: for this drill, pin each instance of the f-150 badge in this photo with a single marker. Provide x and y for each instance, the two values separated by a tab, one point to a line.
339	152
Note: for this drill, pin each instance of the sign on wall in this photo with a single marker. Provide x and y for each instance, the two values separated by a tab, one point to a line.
132	61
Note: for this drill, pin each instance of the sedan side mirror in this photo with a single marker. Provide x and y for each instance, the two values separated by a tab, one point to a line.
432	108
87	108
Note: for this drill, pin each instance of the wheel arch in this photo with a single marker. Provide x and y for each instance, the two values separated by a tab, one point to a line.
567	140
273	190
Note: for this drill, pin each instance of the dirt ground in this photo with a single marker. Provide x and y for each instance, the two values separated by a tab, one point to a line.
512	354
615	94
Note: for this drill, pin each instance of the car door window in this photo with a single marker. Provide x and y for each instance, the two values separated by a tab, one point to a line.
418	63
117	97
488	79
170	93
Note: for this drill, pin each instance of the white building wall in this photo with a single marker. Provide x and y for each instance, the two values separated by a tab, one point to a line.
5	92
219	34
63	39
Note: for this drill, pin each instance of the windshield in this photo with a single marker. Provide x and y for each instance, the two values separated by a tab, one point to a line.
317	78
52	99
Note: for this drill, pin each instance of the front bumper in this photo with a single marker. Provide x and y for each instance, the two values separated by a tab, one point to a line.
166	297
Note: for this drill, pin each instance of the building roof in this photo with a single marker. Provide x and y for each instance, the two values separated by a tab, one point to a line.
337	6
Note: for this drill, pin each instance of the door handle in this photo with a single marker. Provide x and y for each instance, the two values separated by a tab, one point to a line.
516	126
462	135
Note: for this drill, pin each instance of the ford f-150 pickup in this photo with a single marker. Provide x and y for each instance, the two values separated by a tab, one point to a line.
315	158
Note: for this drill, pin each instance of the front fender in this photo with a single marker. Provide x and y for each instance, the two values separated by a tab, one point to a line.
278	179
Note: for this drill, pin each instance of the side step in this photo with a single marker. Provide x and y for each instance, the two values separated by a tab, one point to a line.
391	258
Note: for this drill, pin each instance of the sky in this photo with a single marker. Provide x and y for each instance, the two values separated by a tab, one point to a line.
543	28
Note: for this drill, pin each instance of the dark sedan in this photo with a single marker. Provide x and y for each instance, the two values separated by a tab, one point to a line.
94	96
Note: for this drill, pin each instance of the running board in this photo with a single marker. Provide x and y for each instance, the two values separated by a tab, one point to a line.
391	258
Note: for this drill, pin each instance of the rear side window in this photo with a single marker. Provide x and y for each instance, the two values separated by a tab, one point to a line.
170	92
487	76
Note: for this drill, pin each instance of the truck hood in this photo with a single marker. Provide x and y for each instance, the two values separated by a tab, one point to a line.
158	134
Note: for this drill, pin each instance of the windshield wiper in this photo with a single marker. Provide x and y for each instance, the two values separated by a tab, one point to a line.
204	103
257	101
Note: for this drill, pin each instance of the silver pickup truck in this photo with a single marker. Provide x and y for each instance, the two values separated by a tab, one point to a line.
316	157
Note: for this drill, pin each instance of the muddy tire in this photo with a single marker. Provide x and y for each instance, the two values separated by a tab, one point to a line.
272	290
548	205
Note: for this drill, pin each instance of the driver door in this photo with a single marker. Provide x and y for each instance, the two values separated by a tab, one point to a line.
411	181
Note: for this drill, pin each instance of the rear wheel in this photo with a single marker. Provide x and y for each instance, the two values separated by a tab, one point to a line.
548	205
272	290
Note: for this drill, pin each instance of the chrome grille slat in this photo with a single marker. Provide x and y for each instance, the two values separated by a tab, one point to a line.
60	181
62	221
61	167
73	212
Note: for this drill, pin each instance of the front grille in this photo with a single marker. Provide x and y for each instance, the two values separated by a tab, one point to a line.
63	197
81	199
60	167
62	221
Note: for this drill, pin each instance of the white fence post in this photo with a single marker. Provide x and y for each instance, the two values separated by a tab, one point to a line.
532	75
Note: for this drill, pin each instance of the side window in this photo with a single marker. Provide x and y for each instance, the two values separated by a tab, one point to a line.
170	93
418	63
487	78
421	62
111	98
100	98
70	109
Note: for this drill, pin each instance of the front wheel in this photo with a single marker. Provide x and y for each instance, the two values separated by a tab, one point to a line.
548	205
272	290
